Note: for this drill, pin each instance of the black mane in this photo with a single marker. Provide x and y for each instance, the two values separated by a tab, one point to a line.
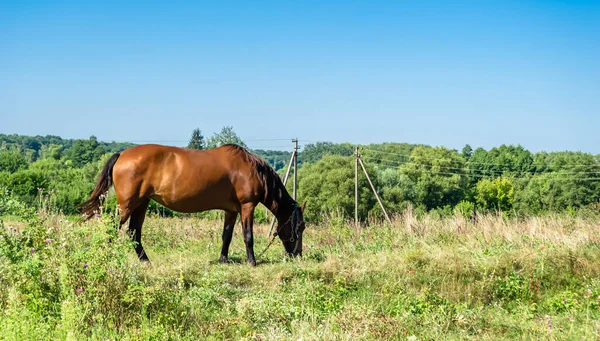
276	195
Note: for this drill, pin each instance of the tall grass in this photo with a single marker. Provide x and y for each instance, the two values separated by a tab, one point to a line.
420	278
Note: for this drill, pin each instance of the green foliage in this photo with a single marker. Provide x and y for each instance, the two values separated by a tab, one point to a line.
500	161
51	151
465	209
225	136
85	151
496	194
397	190
438	176
404	174
197	140
327	186
11	161
314	152
387	153
28	183
276	158
467	152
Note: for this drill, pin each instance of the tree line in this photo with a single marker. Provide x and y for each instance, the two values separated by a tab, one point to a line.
508	179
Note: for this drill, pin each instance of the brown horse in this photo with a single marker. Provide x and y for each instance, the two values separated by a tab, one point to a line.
227	178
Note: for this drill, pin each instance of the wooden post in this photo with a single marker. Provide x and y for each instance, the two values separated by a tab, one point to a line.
285	179
356	187
295	154
374	191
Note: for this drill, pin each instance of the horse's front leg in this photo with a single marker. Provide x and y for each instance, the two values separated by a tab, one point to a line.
247	223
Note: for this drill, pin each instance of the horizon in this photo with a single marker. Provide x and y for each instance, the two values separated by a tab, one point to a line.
432	73
302	143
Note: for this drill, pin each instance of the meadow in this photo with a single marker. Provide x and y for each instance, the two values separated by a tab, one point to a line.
424	277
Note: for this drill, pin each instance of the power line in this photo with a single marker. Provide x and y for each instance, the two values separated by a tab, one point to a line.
479	163
394	165
185	141
469	170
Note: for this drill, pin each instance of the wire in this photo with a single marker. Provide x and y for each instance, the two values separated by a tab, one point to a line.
468	170
479	163
185	141
494	177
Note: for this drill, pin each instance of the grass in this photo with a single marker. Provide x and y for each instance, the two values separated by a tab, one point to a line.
421	278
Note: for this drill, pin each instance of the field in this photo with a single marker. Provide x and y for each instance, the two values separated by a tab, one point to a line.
423	278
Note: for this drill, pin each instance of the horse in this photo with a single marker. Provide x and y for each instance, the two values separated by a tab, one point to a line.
227	178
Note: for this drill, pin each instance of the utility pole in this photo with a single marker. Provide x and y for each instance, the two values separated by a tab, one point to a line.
295	166
356	187
374	191
285	179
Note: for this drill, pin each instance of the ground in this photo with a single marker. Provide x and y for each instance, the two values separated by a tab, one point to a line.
422	278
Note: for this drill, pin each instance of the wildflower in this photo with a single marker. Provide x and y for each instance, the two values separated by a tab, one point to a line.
566	301
85	266
549	324
87	248
97	215
48	241
571	319
79	291
32	250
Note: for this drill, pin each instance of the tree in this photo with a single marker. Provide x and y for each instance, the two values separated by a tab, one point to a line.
496	194
327	186
396	190
500	161
197	140
227	135
438	174
26	183
276	158
85	151
314	152
467	152
11	161
566	180
51	151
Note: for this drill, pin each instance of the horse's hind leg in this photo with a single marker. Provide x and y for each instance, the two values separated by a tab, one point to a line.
135	228
230	219
247	224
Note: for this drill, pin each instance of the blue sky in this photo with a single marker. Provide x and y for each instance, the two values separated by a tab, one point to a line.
432	72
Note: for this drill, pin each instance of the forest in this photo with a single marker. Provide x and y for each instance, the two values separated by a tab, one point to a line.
508	179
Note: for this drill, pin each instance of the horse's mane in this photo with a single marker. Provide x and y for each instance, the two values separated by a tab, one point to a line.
275	191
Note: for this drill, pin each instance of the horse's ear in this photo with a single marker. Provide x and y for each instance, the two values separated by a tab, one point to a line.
302	207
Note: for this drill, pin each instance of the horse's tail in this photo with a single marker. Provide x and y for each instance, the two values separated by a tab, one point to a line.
90	206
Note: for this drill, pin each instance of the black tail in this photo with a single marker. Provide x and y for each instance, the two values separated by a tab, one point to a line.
89	207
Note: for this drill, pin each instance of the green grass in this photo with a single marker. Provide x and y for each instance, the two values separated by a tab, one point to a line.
420	279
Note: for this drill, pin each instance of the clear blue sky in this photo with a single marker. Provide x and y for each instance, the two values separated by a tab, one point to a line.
433	72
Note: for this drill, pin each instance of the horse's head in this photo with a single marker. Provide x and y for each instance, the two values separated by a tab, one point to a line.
290	231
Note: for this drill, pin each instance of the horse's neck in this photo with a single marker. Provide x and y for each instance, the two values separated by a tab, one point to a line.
281	207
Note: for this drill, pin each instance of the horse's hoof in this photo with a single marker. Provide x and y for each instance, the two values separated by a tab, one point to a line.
252	262
223	259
